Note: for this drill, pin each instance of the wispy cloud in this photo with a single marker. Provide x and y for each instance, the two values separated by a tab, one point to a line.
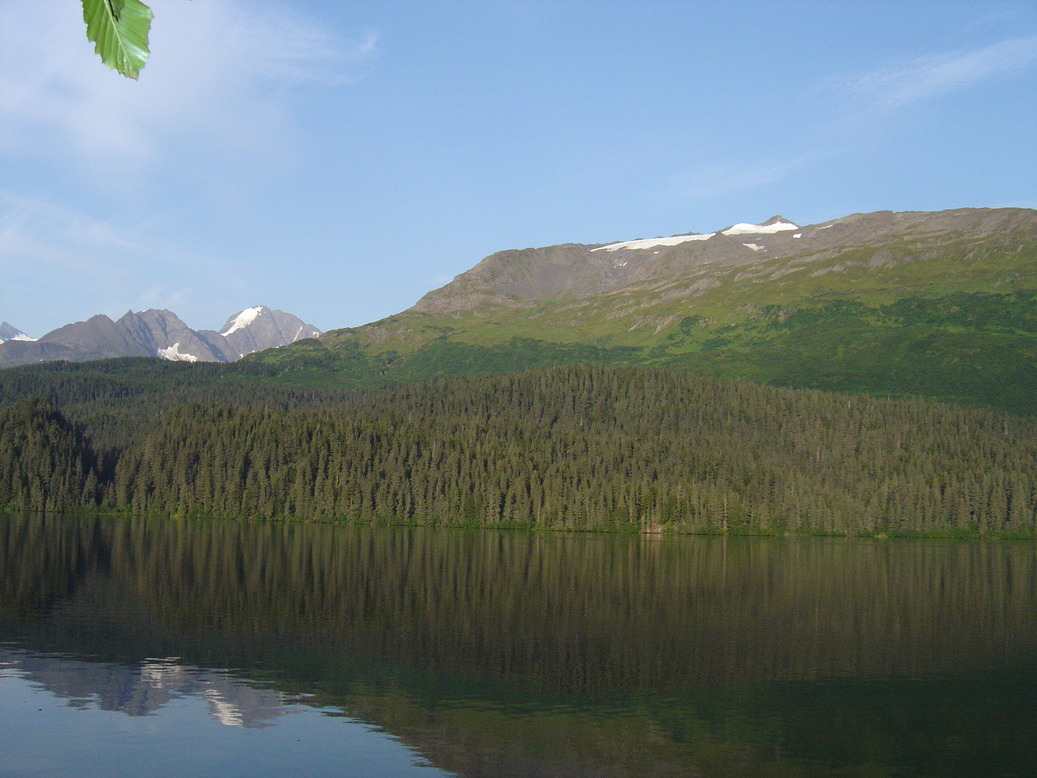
716	180
219	78
41	238
903	85
79	257
212	114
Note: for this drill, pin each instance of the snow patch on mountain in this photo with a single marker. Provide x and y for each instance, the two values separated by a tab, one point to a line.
10	332
754	246
647	243
243	319
173	354
759	229
773	226
306	331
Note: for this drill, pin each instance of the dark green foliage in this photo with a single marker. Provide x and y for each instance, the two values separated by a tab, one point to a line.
443	358
589	448
970	348
309	362
347	364
974	348
1009	313
116	399
46	463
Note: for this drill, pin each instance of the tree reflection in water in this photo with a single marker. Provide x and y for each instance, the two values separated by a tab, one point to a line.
522	651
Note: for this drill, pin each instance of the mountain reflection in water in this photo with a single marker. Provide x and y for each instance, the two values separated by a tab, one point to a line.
493	652
141	690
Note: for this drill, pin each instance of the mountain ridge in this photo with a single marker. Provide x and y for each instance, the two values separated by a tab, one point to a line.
935	303
157	333
570	269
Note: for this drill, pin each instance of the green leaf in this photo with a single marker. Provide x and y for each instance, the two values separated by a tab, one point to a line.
119	30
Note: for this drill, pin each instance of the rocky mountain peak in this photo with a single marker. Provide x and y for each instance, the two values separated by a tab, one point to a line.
10	332
158	333
259	327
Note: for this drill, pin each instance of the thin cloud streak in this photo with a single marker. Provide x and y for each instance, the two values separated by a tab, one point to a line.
931	76
714	181
76	254
880	92
55	239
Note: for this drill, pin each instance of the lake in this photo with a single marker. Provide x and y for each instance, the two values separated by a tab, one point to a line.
166	647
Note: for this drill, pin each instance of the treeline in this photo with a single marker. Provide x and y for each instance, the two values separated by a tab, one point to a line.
46	464
116	400
567	448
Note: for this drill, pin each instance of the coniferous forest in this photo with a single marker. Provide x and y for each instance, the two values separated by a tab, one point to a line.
578	448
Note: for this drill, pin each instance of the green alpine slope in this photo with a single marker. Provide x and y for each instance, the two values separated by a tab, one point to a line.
940	304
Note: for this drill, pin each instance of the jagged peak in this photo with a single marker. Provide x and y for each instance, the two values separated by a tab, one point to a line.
10	332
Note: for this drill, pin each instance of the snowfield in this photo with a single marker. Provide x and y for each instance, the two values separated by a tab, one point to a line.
759	229
173	354
647	243
243	319
742	228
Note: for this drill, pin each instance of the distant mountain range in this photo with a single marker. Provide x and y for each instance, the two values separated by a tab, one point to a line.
155	333
942	304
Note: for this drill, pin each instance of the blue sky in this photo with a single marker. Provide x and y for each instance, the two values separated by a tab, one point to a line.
339	159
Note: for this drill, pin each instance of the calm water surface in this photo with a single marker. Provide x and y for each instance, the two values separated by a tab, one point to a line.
150	647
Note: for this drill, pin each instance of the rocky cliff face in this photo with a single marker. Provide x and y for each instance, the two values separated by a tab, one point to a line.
163	334
159	333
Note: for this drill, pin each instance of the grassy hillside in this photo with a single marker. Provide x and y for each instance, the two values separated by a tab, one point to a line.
939	305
